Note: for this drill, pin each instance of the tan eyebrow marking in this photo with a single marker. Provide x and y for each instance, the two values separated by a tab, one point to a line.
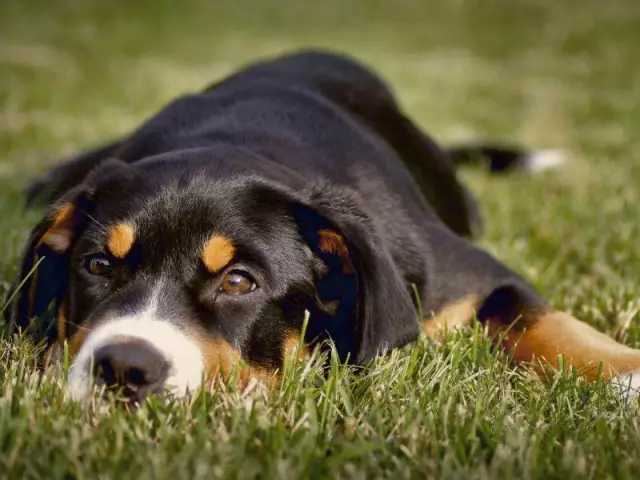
121	237
217	253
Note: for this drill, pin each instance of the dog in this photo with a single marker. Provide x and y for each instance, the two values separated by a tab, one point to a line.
294	189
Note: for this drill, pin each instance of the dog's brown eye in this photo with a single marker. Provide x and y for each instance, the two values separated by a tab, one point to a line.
237	283
98	265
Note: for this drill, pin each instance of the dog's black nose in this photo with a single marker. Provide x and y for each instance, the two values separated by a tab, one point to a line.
132	366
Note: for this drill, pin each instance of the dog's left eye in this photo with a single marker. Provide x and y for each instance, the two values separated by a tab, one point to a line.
237	282
98	265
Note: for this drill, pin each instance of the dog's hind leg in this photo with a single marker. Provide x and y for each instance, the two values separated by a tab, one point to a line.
556	338
542	337
468	285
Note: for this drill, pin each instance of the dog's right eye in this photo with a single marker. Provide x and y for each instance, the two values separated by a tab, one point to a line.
98	265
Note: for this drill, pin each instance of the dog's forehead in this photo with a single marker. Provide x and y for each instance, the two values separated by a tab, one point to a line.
192	214
196	209
155	202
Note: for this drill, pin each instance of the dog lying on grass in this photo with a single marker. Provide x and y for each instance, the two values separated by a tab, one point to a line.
297	185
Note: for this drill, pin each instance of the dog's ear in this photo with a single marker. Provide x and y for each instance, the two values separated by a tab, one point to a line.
41	287
44	271
375	311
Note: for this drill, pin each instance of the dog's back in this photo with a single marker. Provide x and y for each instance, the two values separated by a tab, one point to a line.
316	113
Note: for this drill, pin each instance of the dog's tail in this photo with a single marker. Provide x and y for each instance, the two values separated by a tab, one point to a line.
506	158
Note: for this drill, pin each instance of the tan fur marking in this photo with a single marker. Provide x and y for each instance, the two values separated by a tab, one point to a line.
266	377
58	237
333	243
554	333
217	253
549	335
291	345
121	238
62	214
77	340
454	315
221	359
61	321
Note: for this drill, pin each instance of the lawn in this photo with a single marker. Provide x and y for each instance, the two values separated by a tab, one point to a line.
545	73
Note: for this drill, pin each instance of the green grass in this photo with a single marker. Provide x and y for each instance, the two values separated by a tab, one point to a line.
549	74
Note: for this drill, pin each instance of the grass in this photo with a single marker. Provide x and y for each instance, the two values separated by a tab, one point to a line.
548	74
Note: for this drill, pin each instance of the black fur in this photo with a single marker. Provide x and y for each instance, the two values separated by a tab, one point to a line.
270	157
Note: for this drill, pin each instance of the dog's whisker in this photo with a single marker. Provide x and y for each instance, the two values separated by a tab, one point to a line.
77	325
96	222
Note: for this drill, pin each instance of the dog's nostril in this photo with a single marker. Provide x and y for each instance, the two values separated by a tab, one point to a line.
132	365
136	376
105	372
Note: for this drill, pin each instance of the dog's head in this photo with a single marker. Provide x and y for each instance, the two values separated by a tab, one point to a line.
162	282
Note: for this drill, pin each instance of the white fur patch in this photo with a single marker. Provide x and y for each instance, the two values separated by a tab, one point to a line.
628	385
542	160
186	365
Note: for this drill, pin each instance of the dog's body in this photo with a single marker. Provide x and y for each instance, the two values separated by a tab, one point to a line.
294	186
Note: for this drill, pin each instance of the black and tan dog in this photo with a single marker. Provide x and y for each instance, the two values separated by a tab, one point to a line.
296	185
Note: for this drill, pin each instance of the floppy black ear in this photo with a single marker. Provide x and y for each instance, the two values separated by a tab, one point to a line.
375	309
44	272
43	280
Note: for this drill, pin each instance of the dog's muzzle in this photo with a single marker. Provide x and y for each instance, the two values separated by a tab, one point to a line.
132	367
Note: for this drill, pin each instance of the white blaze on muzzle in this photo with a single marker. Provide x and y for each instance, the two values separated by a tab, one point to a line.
183	355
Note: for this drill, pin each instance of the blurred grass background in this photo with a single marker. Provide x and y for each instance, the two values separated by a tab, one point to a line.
548	74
